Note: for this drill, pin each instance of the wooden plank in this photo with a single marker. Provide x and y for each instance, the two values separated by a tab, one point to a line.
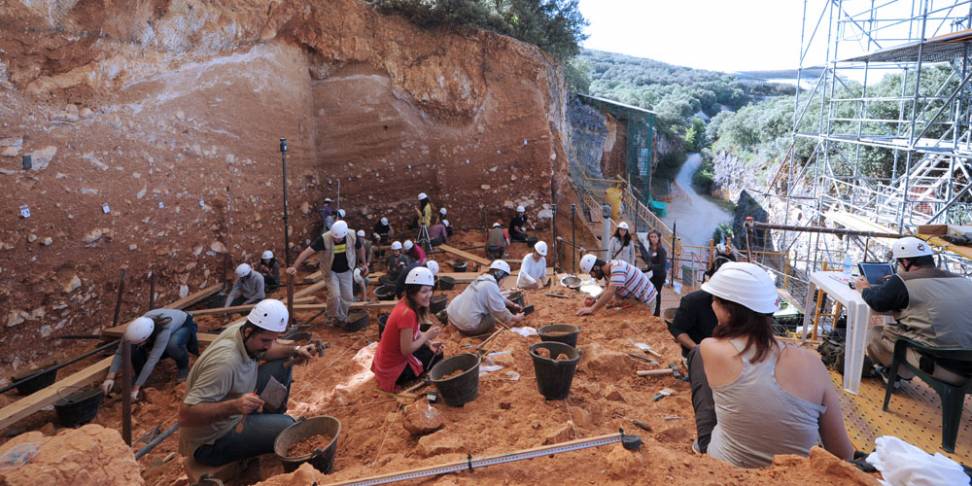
195	298
964	251
307	299
464	254
22	408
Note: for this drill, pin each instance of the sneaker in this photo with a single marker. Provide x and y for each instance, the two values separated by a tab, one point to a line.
695	447
886	377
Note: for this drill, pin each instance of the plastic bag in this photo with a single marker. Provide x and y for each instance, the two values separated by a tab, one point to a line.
904	464
19	455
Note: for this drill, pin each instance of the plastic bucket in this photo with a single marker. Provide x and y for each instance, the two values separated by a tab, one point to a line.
459	266
385	292
458	390
386	280
438	303
357	320
321	459
561	333
445	283
517	297
554	376
35	380
78	408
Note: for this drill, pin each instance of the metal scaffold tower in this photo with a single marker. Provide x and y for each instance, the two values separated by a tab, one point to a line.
882	137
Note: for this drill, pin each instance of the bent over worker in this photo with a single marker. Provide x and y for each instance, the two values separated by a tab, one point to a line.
248	288
224	386
624	280
481	305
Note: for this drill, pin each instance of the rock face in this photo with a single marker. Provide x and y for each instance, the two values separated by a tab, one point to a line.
168	113
89	455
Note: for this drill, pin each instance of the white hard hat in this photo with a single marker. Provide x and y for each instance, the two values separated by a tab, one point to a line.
269	315
361	233
243	270
623	225
384	221
267	255
433	266
422	196
541	248
497	224
443	211
445	222
339	229
420	276
520	209
327	199
408	244
139	330
745	284
910	247
342	213
587	263
396	245
500	265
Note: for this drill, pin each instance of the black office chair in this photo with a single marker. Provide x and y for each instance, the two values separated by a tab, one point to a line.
952	396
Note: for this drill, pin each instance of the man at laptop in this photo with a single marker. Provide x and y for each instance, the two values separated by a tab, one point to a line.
930	307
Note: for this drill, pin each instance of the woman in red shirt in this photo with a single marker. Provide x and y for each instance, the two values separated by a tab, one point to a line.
404	352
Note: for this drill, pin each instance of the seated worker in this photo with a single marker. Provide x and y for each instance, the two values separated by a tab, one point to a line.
931	306
481	305
248	288
496	241
442	217
413	252
160	333
768	398
395	261
224	387
519	224
382	231
533	269
400	286
694	319
269	267
439	232
404	352
624	280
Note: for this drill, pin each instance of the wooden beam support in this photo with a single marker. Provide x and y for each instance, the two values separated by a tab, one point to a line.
464	254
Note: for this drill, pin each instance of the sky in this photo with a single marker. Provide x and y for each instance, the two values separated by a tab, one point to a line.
719	35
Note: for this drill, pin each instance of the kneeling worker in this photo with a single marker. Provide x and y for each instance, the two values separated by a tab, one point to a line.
405	352
248	289
624	280
160	333
224	387
496	241
533	269
478	308
269	267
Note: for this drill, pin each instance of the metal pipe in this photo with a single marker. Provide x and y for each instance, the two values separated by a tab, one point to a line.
118	299
126	390
61	365
573	238
821	229
286	228
674	248
156	441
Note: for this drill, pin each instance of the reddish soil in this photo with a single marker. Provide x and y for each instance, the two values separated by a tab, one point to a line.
309	444
451	375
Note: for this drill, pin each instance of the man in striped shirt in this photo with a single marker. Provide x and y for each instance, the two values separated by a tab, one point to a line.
624	281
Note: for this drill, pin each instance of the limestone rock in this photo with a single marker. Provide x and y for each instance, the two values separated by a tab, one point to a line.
73	284
421	418
559	433
622	463
93	236
10	147
217	247
47	241
305	475
40	159
614	395
598	359
89	455
441	442
16	317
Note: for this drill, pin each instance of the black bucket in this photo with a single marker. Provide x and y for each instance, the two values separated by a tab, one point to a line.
438	303
382	320
445	283
458	390
321	459
387	280
443	317
532	240
554	377
560	333
36	380
517	297
357	320
79	407
385	292
459	266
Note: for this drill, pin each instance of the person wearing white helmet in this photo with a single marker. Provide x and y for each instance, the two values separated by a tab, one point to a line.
931	306
400	286
382	231
624	281
769	398
327	213
414	252
496	241
341	215
395	261
439	232
248	289
226	382
160	333
269	267
405	352
519	224
481	305
533	268
621	246
341	251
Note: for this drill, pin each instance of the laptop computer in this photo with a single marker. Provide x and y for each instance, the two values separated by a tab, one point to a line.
876	273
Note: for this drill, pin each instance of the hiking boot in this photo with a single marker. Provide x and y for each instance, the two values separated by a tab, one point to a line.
886	377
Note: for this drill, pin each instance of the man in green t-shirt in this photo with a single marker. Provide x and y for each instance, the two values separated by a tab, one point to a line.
222	418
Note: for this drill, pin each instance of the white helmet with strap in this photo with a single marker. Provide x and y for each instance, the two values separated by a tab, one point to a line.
139	330
433	266
587	263
396	245
269	315
243	270
745	284
339	229
541	248
420	276
910	247
500	265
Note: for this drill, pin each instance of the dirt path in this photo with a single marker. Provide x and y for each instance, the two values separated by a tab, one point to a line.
697	217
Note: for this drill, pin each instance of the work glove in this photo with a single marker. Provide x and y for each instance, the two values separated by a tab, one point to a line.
107	386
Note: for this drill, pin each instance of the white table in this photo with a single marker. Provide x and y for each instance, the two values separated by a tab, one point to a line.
835	284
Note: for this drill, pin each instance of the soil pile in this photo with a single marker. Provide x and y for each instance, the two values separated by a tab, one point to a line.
308	445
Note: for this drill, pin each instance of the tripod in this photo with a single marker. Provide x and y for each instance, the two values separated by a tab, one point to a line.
423	238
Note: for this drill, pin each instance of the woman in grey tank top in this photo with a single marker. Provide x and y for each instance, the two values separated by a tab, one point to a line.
769	398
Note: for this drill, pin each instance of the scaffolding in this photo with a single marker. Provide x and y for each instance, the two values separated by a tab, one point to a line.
882	138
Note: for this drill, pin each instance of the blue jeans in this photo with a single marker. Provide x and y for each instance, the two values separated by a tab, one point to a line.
181	343
259	432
